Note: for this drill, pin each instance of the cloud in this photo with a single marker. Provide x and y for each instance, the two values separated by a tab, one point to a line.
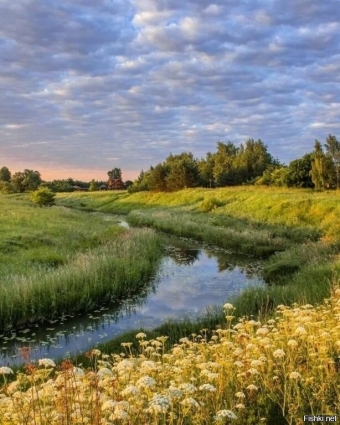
81	83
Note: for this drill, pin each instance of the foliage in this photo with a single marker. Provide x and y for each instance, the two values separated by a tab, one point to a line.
299	172
6	187
5	175
332	146
93	186
209	204
322	171
44	197
26	181
115	173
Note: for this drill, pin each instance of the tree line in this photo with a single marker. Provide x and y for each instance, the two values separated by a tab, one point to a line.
229	165
249	163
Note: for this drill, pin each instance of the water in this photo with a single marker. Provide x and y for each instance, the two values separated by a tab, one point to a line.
191	278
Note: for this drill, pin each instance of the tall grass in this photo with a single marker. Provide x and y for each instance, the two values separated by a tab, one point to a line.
101	275
238	235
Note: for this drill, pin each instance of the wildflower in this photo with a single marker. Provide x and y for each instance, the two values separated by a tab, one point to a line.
95	352
294	375
240	406
46	363
141	335
5	370
252	387
262	332
279	354
225	414
130	390
77	371
300	331
188	388
240	394
159	404
228	306
109	405
103	372
292	343
207	387
174	392
145	382
190	402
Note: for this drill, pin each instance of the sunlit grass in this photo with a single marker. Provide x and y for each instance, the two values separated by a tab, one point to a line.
251	371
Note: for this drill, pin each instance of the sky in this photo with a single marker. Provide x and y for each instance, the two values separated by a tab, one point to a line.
86	86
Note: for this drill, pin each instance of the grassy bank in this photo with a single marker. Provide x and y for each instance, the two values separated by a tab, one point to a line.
246	373
299	227
56	261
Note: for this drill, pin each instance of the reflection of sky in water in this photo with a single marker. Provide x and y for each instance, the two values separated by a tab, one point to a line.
189	280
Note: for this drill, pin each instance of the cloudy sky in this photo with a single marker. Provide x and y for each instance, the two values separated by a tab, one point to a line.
88	85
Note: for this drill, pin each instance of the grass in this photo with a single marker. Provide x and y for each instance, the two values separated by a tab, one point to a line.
57	261
248	372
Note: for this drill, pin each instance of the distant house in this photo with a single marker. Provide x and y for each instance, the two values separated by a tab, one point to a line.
115	184
79	188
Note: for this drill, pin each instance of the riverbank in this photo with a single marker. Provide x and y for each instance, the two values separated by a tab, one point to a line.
297	229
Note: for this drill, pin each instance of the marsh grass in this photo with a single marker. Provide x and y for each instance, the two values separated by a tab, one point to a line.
98	276
237	235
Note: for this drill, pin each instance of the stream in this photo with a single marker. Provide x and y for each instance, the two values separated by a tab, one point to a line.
191	278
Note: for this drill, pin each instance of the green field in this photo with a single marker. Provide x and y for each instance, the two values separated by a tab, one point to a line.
56	261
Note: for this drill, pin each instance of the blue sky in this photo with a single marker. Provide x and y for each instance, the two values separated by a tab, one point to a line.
86	86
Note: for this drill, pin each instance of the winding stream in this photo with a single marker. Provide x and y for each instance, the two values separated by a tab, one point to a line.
191	278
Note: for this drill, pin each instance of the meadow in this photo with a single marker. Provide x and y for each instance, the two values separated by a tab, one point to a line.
271	357
55	261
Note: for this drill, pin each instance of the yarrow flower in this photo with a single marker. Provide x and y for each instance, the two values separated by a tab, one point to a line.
207	387
141	335
104	372
46	363
159	404
5	370
145	382
294	375
279	354
225	414
130	390
190	402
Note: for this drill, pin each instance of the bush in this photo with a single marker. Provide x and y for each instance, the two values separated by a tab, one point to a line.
209	204
44	197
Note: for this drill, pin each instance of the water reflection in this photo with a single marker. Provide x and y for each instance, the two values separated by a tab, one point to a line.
190	279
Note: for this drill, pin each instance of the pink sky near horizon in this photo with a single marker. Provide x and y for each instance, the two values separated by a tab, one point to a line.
55	173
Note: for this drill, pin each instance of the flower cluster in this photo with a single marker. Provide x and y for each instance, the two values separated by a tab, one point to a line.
235	375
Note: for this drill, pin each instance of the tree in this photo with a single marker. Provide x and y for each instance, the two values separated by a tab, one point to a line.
5	174
299	170
44	197
322	171
93	186
115	173
332	146
26	181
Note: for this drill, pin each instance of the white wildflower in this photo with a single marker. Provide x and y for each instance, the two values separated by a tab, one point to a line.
46	363
4	370
207	387
145	382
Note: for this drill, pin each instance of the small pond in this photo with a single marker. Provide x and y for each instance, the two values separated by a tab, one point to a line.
191	278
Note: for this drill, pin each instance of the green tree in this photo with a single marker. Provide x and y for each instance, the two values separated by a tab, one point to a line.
322	172
332	146
5	174
157	179
206	170
223	171
183	171
299	172
26	181
44	197
115	173
93	186
6	187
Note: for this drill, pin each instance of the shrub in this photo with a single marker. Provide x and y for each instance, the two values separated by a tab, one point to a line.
44	197
209	204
